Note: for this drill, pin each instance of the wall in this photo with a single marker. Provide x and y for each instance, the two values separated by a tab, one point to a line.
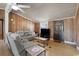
51	27
18	23
69	30
77	24
44	24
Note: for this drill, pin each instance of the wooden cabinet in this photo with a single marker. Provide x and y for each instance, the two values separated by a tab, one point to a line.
37	27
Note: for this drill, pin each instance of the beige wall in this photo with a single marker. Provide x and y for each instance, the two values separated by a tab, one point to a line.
51	27
77	23
69	30
75	26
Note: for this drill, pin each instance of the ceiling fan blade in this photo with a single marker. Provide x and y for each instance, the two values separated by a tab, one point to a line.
24	6
15	7
21	10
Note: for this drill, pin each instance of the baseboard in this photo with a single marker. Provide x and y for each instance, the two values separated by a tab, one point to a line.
68	42
77	47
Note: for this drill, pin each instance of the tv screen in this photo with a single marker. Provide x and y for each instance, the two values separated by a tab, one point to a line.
45	31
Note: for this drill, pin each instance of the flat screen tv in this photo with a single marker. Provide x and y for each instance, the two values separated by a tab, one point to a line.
45	33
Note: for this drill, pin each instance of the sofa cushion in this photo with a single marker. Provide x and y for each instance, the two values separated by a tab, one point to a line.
14	35
21	39
19	46
20	33
13	46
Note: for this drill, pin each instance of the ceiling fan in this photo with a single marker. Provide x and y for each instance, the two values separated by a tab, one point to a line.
19	7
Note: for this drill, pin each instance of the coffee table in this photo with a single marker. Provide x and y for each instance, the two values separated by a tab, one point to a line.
35	51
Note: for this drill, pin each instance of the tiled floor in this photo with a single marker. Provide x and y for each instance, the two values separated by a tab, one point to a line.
53	49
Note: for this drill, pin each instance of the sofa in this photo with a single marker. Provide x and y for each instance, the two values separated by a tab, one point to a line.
18	44
26	35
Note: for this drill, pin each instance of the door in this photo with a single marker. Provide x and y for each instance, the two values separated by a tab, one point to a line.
1	29
59	30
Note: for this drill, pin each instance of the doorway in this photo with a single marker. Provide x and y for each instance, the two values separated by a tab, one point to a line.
1	29
59	30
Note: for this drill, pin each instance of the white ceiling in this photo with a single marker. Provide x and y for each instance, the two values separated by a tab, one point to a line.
48	11
53	11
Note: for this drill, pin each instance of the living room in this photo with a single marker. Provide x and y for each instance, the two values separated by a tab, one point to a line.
38	29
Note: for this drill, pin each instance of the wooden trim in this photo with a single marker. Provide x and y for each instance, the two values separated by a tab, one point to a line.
2	27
